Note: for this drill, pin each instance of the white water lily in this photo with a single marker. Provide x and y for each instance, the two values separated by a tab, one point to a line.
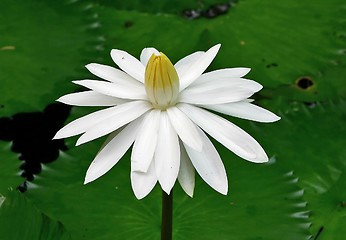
160	109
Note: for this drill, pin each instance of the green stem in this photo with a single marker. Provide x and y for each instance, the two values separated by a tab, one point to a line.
167	216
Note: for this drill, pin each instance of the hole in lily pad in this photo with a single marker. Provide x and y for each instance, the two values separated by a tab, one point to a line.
31	135
304	83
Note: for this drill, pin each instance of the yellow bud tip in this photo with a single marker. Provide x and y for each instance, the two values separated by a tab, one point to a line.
161	81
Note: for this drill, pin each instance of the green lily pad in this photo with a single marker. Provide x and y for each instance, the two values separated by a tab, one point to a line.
43	45
298	56
19	219
152	6
9	170
329	214
311	141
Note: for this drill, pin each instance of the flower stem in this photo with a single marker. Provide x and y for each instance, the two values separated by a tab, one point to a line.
167	216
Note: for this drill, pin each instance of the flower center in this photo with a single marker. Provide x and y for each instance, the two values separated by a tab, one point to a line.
161	81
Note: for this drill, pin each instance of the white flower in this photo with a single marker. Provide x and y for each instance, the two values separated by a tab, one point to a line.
160	109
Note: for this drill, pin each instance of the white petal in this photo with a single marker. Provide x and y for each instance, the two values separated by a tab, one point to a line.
245	110
186	174
143	183
115	90
82	124
228	134
129	64
146	54
167	154
225	82
222	73
111	74
185	128
112	152
209	165
90	98
110	138
198	67
122	115
145	143
183	65
219	92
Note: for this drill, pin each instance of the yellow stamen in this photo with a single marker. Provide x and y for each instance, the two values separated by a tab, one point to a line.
161	81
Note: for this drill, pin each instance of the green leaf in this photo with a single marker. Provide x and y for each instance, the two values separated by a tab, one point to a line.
19	219
9	170
282	48
260	197
329	214
153	6
43	45
310	141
